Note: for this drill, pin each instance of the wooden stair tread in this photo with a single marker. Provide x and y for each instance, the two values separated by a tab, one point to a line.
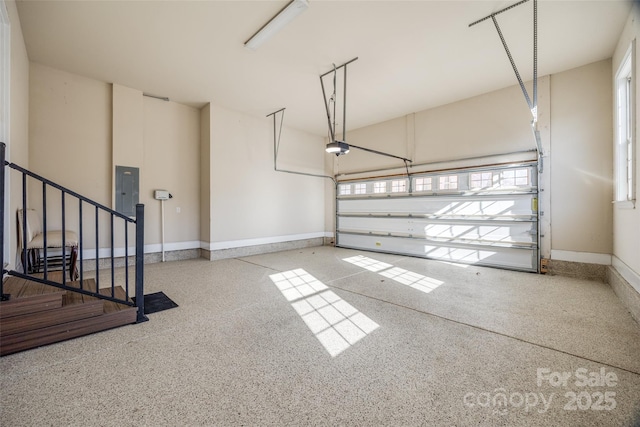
119	293
29	297
34	304
109	306
23	288
26	322
39	337
40	314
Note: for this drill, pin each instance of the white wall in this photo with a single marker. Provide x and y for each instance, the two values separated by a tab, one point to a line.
127	146
77	133
626	222
205	175
493	123
171	162
80	127
69	143
18	143
581	159
70	131
249	199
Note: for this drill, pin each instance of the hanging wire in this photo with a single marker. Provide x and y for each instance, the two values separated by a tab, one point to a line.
513	64
406	166
534	110
334	97
279	133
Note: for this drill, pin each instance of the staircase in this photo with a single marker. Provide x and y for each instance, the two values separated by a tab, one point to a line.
46	304
38	314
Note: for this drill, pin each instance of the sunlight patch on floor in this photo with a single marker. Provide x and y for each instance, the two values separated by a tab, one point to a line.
414	280
411	279
335	323
368	263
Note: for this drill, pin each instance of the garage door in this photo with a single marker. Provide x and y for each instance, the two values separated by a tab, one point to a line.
484	216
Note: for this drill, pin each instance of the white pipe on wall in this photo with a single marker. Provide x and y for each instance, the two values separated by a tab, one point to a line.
162	226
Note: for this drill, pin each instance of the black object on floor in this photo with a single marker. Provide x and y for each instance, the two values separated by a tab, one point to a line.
154	303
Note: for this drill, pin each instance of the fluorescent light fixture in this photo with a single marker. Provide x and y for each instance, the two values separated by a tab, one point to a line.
286	15
337	148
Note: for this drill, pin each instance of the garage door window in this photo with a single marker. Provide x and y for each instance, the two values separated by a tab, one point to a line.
481	180
422	184
380	187
514	178
448	182
399	186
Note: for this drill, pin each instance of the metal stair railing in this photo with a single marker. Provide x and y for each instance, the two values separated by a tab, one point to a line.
68	276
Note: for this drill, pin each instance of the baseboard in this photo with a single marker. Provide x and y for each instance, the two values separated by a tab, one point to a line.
627	273
120	252
242	251
261	241
212	251
581	257
626	290
149	258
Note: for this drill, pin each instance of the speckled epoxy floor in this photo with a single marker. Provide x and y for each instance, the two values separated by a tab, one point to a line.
452	346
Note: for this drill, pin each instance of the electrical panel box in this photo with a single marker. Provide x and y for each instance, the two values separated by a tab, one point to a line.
162	195
127	189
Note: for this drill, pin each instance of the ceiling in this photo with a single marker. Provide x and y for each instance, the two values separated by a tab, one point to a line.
412	55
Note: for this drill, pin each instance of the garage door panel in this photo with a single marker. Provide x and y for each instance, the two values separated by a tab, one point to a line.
517	205
513	232
516	233
484	216
495	256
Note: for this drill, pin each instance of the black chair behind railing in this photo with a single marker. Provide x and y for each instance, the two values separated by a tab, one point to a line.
40	259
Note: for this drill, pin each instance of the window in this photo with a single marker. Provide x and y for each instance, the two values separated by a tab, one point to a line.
360	189
625	124
514	178
422	184
399	186
522	177
380	187
449	182
481	180
345	189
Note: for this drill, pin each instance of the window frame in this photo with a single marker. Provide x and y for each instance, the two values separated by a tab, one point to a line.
481	180
344	190
399	186
360	188
625	152
424	185
451	182
380	187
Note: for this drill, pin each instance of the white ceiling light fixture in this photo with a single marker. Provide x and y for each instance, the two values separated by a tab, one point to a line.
286	15
337	147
